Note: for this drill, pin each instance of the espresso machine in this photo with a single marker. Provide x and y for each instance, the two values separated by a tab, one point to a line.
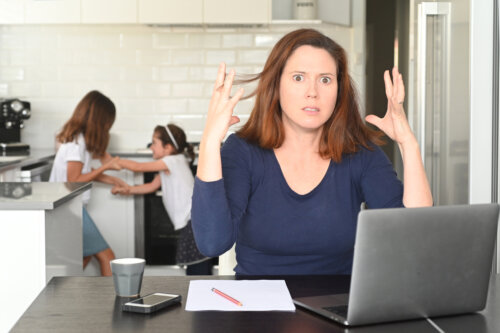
13	112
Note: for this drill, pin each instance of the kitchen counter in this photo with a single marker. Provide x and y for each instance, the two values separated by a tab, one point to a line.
41	155
38	195
128	153
40	237
35	156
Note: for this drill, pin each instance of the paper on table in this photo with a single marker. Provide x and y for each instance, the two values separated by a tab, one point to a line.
255	295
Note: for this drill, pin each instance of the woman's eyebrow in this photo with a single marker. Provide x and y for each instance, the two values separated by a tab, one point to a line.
302	72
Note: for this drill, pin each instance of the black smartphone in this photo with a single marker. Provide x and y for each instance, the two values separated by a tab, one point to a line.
151	303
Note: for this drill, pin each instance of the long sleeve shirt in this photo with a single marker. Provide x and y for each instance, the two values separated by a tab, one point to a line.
280	232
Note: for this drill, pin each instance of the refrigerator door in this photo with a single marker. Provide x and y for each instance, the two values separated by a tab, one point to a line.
438	94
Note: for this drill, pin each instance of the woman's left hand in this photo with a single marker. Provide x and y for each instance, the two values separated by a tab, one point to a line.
394	124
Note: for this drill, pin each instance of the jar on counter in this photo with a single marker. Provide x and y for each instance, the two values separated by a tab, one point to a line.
304	9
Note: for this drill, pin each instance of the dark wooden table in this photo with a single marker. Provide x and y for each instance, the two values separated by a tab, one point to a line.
88	304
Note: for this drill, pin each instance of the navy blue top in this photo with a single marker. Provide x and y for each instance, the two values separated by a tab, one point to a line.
280	232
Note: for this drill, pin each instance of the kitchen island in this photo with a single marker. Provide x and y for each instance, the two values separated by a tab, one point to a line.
40	237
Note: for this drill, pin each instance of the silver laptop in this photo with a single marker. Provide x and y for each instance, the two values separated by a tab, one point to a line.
415	263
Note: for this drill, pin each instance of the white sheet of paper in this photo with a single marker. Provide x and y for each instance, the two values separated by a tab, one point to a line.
255	295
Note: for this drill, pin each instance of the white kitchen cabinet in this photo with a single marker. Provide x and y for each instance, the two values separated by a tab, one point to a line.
11	11
335	11
114	215
117	216
109	11
52	11
237	11
329	11
170	11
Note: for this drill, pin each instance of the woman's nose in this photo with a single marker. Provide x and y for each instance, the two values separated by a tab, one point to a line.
312	90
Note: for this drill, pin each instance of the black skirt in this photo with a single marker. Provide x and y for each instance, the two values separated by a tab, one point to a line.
187	251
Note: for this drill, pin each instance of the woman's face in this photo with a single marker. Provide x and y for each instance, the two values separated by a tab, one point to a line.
308	89
158	149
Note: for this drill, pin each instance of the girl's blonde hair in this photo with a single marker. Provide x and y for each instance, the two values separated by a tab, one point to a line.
93	117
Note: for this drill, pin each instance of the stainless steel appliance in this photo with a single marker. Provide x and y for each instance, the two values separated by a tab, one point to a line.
36	172
13	112
438	94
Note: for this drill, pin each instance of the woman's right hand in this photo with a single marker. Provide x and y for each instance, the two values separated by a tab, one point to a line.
220	111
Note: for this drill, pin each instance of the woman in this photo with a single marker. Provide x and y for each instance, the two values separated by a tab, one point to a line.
288	186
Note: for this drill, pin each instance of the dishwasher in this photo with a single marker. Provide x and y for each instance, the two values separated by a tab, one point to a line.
36	172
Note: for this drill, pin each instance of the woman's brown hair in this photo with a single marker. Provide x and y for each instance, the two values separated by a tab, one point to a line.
93	117
342	134
183	147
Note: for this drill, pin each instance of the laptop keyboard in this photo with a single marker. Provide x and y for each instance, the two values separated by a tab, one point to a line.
340	310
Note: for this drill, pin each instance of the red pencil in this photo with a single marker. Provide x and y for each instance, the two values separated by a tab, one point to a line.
227	297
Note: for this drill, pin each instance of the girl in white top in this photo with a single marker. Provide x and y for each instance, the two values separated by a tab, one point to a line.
85	136
175	178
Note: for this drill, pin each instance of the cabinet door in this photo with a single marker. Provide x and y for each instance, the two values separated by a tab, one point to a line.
11	11
114	215
52	11
171	11
237	11
335	11
109	11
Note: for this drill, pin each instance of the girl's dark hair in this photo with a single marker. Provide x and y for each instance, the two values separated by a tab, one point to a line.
180	138
343	133
93	117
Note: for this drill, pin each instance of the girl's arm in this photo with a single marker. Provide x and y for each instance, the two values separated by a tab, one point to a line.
138	189
157	165
75	170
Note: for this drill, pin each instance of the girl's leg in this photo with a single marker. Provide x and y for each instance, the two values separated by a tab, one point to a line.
86	261
95	245
104	257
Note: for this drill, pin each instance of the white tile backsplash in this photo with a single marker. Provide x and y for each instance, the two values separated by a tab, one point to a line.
11	73
237	40
154	74
217	56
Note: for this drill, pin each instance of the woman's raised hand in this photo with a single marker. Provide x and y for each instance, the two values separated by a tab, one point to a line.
394	124
220	112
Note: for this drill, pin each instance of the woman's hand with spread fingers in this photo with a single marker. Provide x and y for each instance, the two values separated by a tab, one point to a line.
394	124
219	118
220	112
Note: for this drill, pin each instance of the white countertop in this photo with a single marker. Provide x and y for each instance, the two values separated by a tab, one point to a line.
36	196
34	156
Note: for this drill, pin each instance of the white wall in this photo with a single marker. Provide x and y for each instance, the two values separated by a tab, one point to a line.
155	75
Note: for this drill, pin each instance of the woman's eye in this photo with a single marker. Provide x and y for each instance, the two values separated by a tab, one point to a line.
325	80
298	77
